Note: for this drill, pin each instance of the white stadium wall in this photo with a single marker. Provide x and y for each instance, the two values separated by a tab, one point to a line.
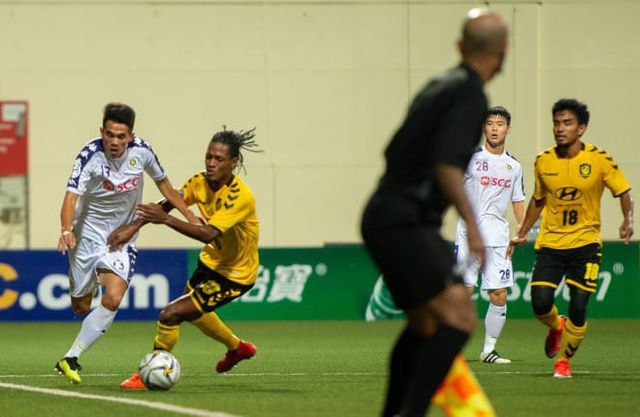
325	83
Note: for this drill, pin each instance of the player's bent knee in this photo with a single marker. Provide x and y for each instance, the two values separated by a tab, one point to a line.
578	306
170	315
468	320
426	322
111	302
542	299
81	310
81	306
498	297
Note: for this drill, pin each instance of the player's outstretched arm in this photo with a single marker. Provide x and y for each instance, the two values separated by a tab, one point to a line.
534	209
155	214
175	199
626	229
123	234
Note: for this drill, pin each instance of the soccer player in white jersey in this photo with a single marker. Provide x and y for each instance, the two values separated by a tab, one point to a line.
102	193
492	181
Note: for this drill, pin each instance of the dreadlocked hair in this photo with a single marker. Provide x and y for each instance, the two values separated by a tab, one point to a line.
237	141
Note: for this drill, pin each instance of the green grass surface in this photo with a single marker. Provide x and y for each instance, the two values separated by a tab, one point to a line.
314	369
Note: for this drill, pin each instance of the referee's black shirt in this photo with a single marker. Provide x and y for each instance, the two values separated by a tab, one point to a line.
443	125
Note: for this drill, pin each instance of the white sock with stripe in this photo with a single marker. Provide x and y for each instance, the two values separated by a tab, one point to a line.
493	324
93	327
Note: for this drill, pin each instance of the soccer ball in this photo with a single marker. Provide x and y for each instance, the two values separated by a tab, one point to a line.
159	370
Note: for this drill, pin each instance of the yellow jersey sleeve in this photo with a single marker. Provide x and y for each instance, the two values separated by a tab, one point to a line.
188	190
614	178
538	191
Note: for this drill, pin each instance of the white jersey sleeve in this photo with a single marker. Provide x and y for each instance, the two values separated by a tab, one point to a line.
518	193
150	160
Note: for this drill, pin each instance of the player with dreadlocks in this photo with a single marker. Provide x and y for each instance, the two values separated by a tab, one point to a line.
228	262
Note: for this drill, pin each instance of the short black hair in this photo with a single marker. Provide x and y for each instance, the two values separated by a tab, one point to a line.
119	113
499	111
237	142
574	106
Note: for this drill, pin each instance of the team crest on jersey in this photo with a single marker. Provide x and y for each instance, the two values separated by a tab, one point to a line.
133	162
509	167
585	170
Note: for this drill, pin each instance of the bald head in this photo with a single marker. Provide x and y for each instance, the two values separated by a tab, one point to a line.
484	42
483	32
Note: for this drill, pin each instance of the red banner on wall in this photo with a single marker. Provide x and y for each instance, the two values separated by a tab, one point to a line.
14	117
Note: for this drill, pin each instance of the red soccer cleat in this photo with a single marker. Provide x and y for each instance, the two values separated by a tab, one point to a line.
553	341
133	382
562	369
245	350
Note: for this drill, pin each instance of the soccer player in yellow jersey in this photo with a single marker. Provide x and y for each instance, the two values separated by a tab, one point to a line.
569	181
228	263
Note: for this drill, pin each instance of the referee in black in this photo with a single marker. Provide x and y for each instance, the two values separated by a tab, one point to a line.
425	165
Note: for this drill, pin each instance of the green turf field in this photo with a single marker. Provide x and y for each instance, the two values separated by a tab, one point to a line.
311	369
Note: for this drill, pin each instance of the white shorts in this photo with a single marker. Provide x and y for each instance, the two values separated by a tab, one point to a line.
88	256
497	272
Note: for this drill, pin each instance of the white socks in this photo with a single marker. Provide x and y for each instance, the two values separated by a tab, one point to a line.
93	327
493	324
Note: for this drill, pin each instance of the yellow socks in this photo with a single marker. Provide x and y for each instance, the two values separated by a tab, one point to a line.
571	338
166	337
460	394
211	325
551	319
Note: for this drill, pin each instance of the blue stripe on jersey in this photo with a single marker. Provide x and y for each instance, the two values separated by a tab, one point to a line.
139	142
93	146
512	157
133	256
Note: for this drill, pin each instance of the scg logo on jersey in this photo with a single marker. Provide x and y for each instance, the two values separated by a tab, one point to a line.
128	185
495	181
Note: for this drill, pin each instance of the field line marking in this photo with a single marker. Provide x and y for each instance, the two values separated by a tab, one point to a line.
129	401
285	374
210	374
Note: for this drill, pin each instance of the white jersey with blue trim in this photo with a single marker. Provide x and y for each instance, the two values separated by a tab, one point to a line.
492	182
109	188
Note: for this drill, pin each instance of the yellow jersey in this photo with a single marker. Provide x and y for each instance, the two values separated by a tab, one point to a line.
232	210
572	189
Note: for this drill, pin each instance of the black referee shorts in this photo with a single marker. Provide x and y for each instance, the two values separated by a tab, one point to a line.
416	263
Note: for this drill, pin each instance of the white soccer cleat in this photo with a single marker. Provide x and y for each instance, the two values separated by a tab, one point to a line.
493	357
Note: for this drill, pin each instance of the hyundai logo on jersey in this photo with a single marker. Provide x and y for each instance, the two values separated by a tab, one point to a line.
568	193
